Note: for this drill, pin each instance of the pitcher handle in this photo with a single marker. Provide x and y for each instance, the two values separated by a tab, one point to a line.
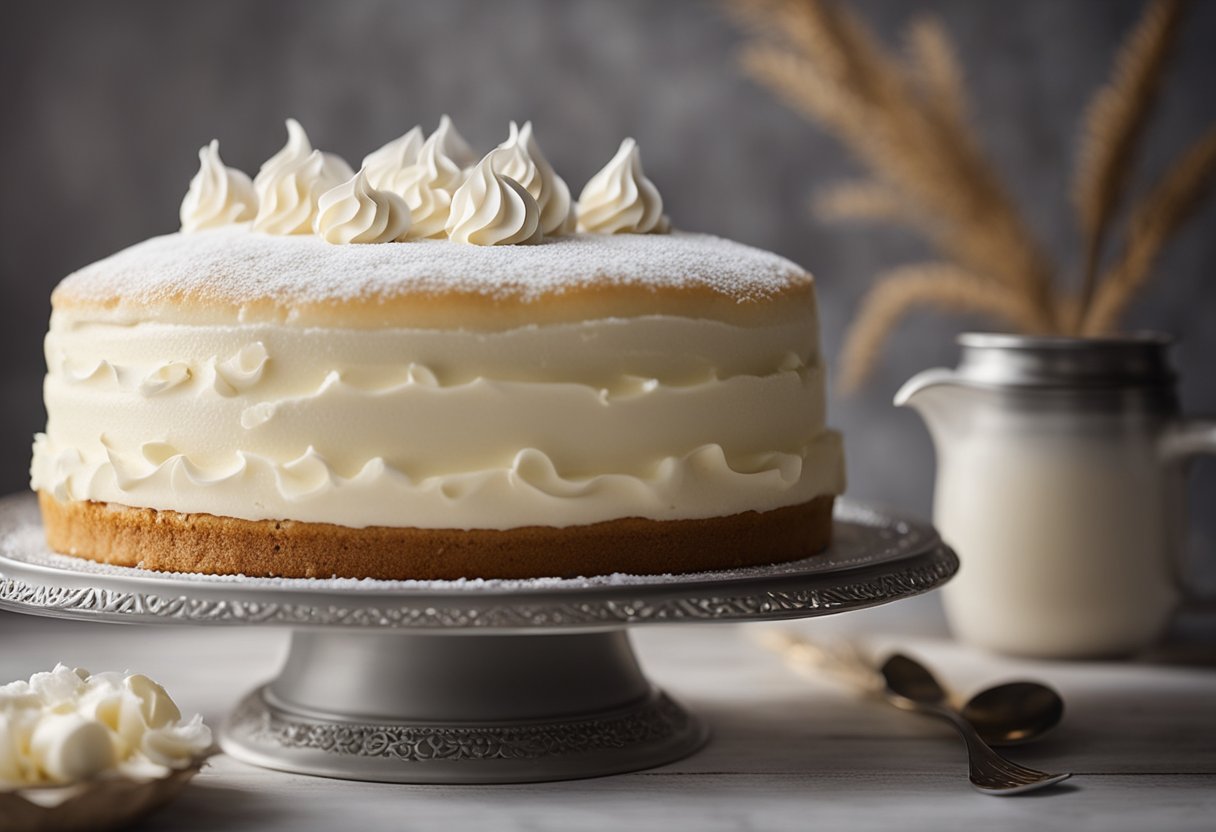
1188	438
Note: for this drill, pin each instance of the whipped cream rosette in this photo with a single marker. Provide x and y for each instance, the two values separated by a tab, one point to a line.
291	182
453	144
520	158
384	164
355	212
621	199
218	195
428	186
490	209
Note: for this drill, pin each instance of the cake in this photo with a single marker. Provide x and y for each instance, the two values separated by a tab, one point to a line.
437	367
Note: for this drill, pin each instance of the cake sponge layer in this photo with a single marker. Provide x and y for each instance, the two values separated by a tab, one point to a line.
203	543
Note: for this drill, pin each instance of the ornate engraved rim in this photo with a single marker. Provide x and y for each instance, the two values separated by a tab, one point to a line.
717	604
655	720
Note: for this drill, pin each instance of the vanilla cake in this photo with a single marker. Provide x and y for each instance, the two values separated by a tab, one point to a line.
435	367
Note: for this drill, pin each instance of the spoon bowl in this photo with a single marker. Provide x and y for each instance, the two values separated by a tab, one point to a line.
911	686
1014	713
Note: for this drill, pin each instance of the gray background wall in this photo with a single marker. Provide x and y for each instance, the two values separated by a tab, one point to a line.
104	105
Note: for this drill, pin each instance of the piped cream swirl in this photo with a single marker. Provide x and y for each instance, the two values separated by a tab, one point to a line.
290	183
520	158
218	195
490	209
620	198
297	148
427	187
355	212
453	144
389	161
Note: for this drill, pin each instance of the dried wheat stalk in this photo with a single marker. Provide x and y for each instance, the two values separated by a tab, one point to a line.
906	122
864	200
1168	205
1114	124
937	70
913	140
943	285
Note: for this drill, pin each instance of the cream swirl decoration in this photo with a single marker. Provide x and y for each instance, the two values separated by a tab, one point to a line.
428	175
519	157
558	216
386	163
355	212
490	209
453	144
218	195
620	198
297	148
428	186
290	183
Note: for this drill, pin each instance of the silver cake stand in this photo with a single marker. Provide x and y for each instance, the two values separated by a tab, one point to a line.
469	681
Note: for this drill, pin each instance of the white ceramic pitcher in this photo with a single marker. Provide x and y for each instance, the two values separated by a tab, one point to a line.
1060	474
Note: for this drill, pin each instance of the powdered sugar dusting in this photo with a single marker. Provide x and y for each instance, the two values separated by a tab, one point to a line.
239	266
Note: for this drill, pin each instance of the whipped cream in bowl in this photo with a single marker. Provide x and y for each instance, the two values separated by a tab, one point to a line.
104	747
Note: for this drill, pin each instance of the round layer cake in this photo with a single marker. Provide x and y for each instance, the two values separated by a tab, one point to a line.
236	402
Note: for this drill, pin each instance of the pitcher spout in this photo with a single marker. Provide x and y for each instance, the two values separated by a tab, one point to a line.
913	393
941	398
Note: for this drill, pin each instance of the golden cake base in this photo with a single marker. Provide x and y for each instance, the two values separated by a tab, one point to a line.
170	541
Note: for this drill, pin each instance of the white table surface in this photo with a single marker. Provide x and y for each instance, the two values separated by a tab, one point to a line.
787	752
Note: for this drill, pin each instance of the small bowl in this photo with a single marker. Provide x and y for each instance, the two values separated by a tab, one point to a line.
100	805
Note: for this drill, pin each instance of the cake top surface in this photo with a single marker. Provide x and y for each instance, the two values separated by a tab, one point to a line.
232	274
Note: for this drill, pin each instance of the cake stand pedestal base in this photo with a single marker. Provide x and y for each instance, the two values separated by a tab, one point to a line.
460	709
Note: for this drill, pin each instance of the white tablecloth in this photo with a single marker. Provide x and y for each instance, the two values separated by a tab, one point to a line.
787	752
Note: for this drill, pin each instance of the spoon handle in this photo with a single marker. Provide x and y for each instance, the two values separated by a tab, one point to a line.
989	771
840	659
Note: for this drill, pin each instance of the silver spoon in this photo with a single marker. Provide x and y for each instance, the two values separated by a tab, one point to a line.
909	685
1010	714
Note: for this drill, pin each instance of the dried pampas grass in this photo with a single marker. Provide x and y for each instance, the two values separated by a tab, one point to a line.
905	118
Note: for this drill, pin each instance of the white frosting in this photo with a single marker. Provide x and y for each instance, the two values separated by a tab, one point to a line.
384	164
557	425
65	726
428	186
355	212
290	183
218	195
620	198
490	209
519	157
